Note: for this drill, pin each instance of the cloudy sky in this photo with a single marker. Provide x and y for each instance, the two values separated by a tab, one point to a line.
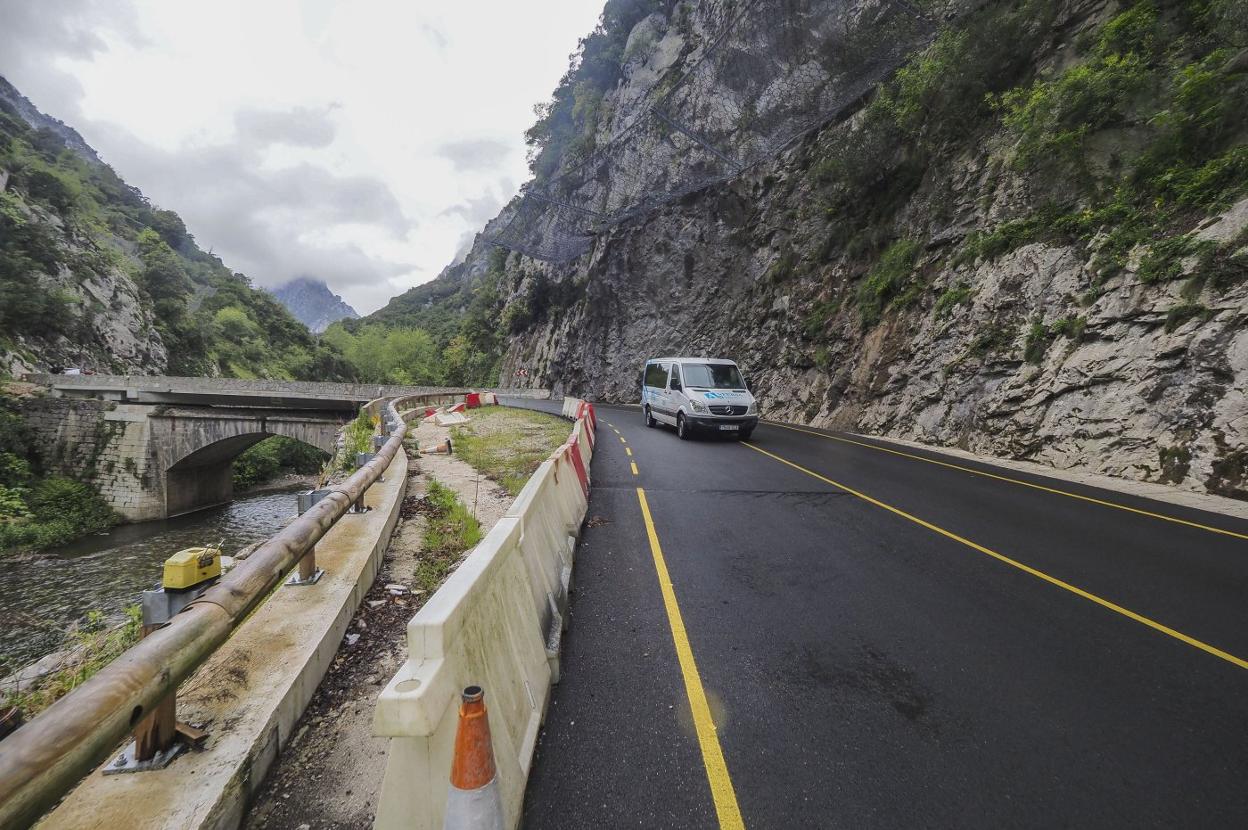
363	142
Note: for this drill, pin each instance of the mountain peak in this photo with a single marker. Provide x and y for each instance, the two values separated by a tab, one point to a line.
311	301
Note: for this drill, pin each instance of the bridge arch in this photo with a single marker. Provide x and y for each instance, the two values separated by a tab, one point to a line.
196	450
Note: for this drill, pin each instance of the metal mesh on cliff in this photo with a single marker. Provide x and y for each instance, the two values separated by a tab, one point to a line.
773	73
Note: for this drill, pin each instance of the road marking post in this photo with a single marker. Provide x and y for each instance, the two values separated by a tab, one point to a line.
1052	580
722	792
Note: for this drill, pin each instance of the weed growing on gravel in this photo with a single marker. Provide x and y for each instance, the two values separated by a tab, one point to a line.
450	529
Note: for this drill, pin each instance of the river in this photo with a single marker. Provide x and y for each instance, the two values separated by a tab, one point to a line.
43	594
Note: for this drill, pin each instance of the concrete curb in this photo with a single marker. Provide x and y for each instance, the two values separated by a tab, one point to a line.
496	622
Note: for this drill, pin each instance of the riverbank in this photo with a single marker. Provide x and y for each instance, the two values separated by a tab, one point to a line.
44	595
286	483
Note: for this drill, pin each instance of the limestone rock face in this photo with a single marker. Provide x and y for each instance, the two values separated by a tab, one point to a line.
1030	354
108	328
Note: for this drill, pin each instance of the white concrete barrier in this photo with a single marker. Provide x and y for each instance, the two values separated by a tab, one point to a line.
496	623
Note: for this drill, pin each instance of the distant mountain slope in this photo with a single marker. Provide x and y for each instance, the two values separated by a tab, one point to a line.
313	304
92	275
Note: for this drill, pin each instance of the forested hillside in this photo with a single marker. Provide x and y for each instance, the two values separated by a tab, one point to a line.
450	331
94	276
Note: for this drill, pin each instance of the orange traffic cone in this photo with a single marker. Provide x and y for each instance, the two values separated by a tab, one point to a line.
474	802
444	448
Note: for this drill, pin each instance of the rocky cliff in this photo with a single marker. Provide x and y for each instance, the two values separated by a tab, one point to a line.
313	304
1027	240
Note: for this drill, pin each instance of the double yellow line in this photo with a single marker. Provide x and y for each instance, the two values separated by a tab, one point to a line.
1052	580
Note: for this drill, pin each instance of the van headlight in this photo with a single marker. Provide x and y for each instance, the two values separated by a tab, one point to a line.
699	407
752	409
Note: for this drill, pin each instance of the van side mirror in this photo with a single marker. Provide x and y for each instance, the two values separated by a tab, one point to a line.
674	385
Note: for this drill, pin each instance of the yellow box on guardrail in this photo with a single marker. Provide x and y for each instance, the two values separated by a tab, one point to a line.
191	566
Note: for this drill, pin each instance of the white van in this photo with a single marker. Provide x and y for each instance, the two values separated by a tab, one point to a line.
701	394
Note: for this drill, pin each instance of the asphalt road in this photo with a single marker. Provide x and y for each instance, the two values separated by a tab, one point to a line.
877	640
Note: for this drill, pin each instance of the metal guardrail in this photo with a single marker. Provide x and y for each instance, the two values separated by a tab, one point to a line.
47	757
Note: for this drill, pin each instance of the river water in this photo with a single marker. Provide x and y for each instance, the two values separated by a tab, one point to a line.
41	595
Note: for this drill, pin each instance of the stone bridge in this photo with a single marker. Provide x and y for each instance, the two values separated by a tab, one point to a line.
162	446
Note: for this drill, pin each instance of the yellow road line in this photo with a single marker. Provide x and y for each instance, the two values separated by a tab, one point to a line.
1020	482
622	441
633	464
628	451
1104	603
722	792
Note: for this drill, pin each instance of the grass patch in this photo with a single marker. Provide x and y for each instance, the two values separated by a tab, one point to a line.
816	321
91	646
450	529
889	282
953	297
1038	337
1184	311
507	445
1071	327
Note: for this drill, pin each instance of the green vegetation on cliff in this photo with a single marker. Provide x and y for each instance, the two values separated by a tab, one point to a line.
567	124
1139	135
67	221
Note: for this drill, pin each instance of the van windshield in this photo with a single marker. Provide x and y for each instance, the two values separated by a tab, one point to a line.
712	376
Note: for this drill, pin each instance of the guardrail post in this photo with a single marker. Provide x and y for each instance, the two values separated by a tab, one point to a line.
362	458
158	730
308	573
156	734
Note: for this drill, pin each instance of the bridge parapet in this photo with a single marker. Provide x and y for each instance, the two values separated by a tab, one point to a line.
161	446
160	389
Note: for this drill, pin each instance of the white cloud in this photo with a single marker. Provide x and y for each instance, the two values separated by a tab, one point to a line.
359	142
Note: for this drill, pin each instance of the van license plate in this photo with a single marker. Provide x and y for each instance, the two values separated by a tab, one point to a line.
732	427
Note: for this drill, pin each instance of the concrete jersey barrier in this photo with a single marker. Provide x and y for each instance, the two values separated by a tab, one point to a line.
496	622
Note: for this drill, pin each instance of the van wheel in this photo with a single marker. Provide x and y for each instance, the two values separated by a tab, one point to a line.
650	422
682	427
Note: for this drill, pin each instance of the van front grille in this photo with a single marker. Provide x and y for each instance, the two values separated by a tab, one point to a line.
723	409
